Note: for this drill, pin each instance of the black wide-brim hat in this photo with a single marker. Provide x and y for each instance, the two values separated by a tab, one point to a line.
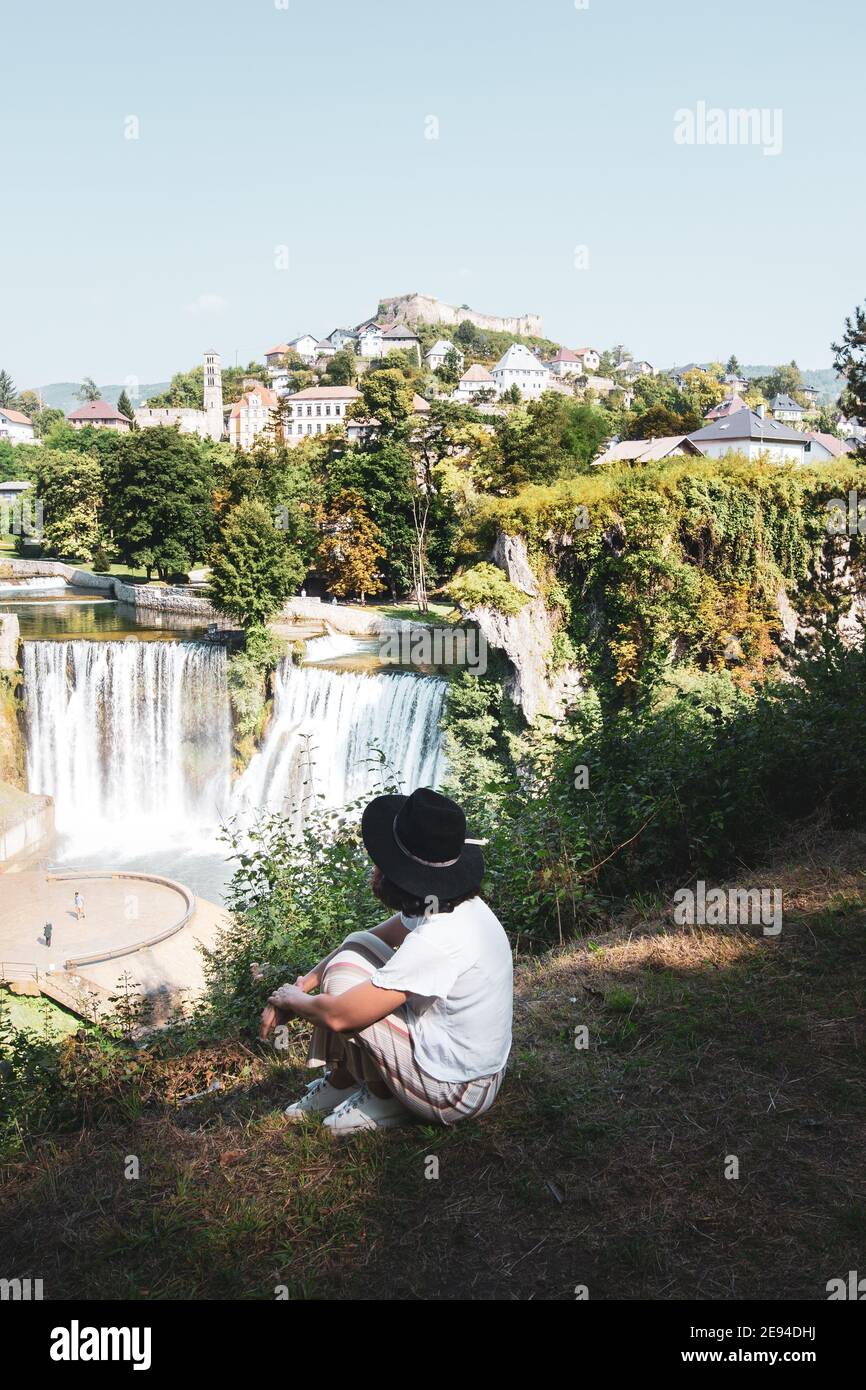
419	842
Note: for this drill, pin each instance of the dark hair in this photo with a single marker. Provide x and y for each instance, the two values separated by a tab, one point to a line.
397	898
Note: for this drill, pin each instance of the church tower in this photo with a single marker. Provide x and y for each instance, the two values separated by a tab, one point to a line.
213	395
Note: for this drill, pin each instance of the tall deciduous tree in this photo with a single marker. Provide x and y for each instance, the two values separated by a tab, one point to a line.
350	548
253	568
70	489
88	390
386	396
159	500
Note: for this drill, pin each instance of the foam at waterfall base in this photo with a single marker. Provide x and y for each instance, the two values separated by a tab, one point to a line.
134	742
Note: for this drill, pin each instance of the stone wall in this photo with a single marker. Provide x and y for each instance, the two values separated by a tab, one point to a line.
160	600
26	822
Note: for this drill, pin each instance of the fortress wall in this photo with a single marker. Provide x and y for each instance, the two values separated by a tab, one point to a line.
424	308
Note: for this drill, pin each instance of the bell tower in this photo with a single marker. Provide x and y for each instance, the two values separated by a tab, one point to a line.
213	395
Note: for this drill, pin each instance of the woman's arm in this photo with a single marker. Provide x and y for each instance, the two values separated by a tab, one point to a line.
343	1013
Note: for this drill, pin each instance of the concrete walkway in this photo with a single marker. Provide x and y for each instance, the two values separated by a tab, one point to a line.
120	912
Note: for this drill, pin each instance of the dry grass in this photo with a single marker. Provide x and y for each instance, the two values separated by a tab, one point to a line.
603	1167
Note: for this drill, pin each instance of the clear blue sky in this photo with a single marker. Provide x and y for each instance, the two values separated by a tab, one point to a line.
305	126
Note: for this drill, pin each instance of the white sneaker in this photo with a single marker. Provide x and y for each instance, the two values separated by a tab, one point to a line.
363	1110
320	1098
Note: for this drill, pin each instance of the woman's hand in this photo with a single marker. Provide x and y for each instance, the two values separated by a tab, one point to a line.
285	998
271	1017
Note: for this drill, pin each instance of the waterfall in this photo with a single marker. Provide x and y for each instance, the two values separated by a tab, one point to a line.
320	747
132	739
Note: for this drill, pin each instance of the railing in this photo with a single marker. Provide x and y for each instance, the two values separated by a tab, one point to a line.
19	970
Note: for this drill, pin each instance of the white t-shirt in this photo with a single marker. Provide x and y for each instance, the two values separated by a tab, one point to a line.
456	968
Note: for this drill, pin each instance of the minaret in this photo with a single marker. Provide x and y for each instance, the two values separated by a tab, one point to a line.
213	395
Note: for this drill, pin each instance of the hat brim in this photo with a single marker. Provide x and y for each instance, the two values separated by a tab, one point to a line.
421	880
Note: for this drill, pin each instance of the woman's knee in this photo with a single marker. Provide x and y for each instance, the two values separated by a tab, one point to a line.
349	967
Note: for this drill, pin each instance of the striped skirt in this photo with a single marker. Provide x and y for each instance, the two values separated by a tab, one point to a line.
384	1050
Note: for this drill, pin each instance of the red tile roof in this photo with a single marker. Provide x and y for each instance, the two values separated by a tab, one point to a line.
15	417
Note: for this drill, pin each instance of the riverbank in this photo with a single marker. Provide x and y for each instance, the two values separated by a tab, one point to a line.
603	1167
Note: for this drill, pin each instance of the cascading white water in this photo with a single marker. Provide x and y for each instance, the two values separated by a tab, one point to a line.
132	739
320	748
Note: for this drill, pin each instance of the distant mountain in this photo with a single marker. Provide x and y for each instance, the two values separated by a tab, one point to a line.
62	395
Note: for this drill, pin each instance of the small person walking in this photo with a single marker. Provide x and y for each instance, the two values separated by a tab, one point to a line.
79	905
46	933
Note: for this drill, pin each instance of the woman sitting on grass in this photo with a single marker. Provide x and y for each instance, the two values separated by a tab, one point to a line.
413	1019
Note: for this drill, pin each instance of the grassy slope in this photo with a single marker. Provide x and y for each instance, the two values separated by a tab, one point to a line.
602	1167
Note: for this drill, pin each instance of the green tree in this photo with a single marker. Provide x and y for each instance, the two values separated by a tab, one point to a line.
253	569
450	371
159	500
386	396
554	437
342	369
125	406
850	361
702	390
732	366
70	488
660	421
88	390
8	393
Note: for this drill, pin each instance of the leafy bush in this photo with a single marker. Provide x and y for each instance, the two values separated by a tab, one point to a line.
485	586
707	778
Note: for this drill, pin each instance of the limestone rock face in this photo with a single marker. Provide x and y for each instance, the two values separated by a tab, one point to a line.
9	634
425	308
843	584
526	638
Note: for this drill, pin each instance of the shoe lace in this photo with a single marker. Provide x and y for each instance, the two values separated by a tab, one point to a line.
355	1099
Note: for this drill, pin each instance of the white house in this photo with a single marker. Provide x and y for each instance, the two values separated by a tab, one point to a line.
325	348
306	346
438	354
589	359
251	415
630	371
521	368
370	340
16	427
474	380
786	409
751	433
821	448
566	363
317	409
341	338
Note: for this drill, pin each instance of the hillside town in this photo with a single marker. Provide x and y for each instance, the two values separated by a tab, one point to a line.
306	385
